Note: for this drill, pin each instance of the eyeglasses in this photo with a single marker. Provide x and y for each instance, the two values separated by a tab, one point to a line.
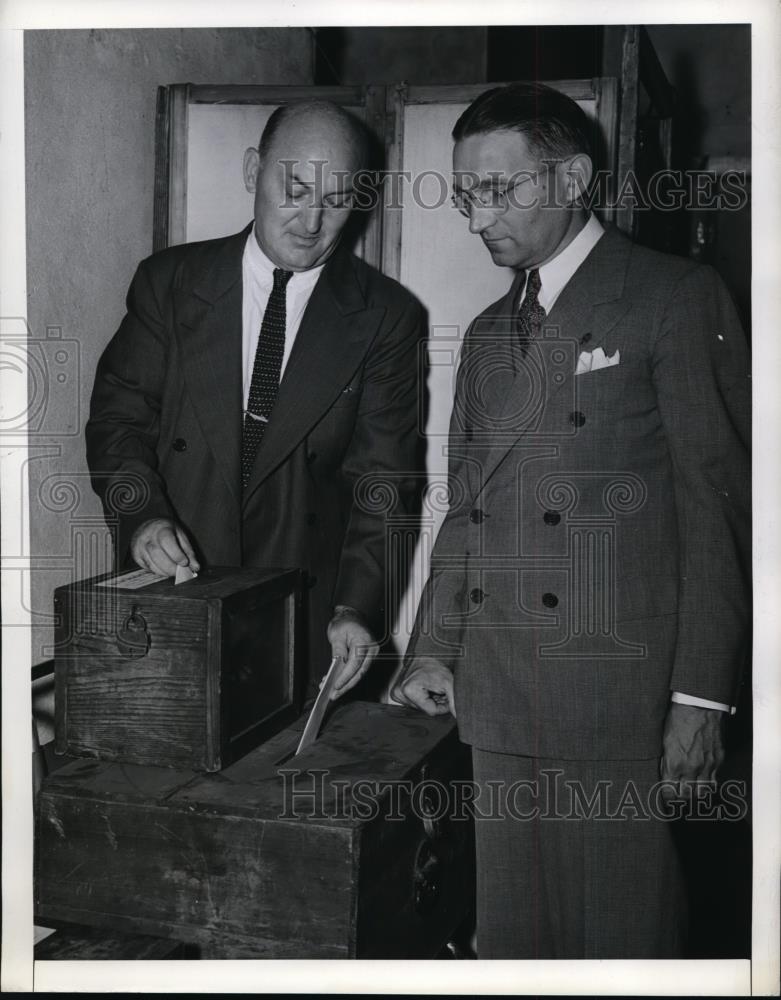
490	196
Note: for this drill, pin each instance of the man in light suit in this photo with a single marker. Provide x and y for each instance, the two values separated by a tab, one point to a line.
587	609
259	384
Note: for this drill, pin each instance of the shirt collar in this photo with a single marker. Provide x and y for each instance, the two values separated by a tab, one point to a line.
262	268
557	272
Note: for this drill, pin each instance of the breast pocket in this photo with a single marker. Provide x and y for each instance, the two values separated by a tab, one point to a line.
348	398
614	378
331	435
614	395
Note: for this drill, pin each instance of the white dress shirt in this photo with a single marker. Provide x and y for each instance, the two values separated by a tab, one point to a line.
557	272
554	276
257	282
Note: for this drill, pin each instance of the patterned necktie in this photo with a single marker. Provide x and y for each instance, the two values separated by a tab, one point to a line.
531	314
266	371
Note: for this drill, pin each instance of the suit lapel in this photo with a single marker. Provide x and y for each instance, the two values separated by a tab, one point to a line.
586	311
208	320
489	380
335	332
592	302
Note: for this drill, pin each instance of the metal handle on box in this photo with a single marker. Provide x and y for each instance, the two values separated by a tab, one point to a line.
426	878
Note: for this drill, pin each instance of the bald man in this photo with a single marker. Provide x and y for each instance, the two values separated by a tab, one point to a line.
257	387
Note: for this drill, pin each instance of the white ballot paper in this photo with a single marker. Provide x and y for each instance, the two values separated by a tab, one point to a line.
183	574
135	579
313	723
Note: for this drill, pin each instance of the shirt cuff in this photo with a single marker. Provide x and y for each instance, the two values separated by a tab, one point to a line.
690	699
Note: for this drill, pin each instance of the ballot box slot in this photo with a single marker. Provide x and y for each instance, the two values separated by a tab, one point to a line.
254	863
288	755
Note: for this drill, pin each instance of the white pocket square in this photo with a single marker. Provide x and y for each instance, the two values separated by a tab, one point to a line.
591	361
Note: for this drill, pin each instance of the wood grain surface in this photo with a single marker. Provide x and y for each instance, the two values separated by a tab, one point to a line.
238	865
220	673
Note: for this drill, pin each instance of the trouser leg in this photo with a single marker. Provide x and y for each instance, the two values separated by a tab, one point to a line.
573	860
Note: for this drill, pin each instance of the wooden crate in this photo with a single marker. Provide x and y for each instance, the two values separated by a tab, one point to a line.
71	943
192	676
354	849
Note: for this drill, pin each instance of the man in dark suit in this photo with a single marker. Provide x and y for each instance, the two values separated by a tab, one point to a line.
256	388
587	609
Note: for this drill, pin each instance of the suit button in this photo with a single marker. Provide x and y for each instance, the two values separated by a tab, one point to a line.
311	456
577	419
311	582
550	600
180	444
476	516
469	433
476	595
311	518
551	517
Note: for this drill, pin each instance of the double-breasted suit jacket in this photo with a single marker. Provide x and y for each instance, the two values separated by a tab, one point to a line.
166	419
595	556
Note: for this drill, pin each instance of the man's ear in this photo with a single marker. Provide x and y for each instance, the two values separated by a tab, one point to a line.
578	171
251	167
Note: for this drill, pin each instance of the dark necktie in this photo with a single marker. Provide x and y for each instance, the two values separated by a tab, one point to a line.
266	371
531	314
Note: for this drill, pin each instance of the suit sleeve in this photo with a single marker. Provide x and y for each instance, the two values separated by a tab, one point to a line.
382	466
701	373
437	632
124	421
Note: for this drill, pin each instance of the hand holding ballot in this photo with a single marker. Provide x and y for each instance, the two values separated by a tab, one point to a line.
353	644
162	547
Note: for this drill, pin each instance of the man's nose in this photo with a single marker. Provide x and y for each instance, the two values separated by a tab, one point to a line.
313	217
480	218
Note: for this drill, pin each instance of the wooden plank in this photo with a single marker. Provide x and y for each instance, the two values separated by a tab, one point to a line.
627	135
152	715
464	93
612	50
606	89
661	93
361	741
396	99
374	119
269	94
160	207
178	99
236	884
149	709
245	863
72	943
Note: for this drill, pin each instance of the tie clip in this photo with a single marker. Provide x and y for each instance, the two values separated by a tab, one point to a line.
257	416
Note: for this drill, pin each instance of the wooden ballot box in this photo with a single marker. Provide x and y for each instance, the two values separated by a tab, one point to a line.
357	848
193	675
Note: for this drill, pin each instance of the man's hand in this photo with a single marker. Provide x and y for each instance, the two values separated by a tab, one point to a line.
692	747
160	545
352	641
427	685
